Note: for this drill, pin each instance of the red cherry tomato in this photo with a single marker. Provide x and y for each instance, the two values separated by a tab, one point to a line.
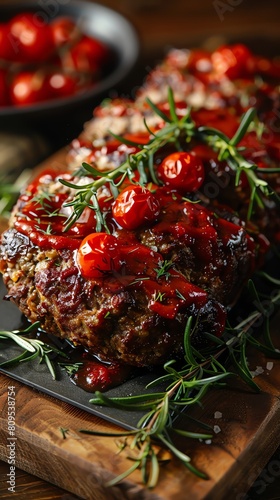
273	148
7	51
233	61
63	30
98	255
4	93
182	171
200	61
96	376
61	84
32	41
140	138
222	119
265	66
134	206
28	87
87	55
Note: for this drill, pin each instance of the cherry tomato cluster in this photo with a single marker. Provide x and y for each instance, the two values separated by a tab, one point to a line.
41	61
235	61
136	206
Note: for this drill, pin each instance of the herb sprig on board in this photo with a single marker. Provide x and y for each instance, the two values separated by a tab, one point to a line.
181	385
34	348
185	386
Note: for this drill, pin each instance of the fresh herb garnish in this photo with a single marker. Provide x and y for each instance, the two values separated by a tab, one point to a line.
43	198
64	432
179	132
228	150
185	384
162	269
10	189
48	229
184	387
37	349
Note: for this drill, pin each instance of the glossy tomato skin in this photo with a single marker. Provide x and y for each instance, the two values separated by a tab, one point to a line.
63	31
4	92
135	206
32	40
181	170
200	61
26	88
98	255
233	61
97	376
60	84
87	55
7	51
63	59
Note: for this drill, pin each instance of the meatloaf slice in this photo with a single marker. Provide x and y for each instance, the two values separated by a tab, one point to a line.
189	262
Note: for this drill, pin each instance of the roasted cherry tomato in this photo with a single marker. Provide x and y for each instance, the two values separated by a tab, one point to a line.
98	255
221	119
265	66
97	376
200	61
63	30
234	61
32	41
134	206
183	171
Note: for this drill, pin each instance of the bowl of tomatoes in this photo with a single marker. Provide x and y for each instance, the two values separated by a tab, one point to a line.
56	54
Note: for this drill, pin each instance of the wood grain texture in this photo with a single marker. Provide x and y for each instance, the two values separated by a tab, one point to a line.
249	434
30	488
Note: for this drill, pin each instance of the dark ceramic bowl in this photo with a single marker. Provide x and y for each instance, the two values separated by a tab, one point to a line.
95	20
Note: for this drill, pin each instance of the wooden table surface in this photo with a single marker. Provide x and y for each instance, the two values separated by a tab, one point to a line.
160	24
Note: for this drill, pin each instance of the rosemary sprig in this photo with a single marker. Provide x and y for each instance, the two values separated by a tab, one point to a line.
227	150
35	348
162	269
171	133
10	190
179	132
185	387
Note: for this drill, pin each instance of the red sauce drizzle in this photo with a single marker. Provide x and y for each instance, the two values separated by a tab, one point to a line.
197	227
97	376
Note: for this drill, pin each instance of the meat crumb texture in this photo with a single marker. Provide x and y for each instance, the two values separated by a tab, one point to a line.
152	220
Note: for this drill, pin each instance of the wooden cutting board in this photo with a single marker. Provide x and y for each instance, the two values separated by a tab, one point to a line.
247	434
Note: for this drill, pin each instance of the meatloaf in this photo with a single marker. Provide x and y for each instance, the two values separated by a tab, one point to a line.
119	267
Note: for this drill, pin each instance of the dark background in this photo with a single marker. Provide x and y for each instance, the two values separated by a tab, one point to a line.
162	24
